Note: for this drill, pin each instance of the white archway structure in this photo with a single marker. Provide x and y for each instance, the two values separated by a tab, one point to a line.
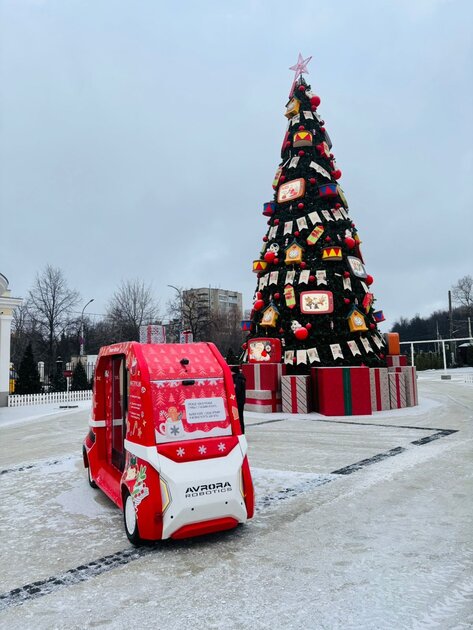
7	306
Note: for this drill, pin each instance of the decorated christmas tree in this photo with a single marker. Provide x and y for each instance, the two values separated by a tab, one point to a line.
313	304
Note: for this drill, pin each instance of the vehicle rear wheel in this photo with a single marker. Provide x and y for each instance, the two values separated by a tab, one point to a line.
91	481
131	523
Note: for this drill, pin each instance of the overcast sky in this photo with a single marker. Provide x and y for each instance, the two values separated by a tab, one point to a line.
139	139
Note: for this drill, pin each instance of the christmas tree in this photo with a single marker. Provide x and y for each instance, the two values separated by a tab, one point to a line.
79	380
313	293
28	375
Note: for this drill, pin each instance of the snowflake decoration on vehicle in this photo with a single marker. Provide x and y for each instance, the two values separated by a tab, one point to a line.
175	430
221	447
180	452
202	450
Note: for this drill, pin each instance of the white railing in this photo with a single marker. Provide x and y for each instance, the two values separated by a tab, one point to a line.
21	400
469	378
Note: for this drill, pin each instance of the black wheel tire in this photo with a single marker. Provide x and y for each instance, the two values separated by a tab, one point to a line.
92	483
130	520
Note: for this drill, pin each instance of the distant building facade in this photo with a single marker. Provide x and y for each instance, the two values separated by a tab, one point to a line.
7	306
216	303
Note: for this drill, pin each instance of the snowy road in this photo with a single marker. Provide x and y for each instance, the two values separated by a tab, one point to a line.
361	522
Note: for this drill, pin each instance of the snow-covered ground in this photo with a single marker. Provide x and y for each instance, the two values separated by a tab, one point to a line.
361	522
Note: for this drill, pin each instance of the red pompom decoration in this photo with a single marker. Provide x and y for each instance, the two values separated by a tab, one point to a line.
276	221
296	233
301	153
369	279
301	333
350	242
301	88
315	101
337	205
300	205
346	274
327	239
347	301
301	127
287	144
372	326
258	305
308	326
303	265
312	181
313	107
322	129
244	346
276	260
336	174
281	331
381	356
311	278
277	296
269	257
259	295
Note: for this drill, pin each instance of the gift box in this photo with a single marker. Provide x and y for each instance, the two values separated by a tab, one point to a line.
263	401
153	333
410	376
296	394
379	389
315	396
263	376
397	390
343	391
396	360
392	343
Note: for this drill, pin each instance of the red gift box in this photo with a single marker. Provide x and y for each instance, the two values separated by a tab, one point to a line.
396	360
379	389
315	398
263	376
397	390
344	391
263	401
296	394
410	375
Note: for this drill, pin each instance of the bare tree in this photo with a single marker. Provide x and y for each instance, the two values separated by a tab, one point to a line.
131	306
462	292
186	312
50	305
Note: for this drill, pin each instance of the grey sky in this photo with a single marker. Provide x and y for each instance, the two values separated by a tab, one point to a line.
140	139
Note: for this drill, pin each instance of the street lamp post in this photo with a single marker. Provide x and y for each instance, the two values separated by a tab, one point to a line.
81	346
181	303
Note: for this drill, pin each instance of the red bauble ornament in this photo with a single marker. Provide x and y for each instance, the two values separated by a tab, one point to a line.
315	101
244	346
276	221
259	295
347	301
322	129
301	127
300	205
381	356
346	274
269	257
265	239
301	333
296	233
303	265
372	326
336	174
282	179
311	278
350	242
313	107
276	260
301	153
277	296
301	88
281	331
327	239
369	279
258	305
308	326
312	181
287	144
337	205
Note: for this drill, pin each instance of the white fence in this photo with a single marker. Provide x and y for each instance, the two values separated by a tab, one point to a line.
469	378
21	400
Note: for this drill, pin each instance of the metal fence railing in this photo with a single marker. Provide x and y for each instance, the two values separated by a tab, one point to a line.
21	400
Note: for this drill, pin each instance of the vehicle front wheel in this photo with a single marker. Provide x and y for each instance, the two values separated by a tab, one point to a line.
92	483
130	520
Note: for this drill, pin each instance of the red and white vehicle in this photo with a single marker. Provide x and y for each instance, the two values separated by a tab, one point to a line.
165	442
